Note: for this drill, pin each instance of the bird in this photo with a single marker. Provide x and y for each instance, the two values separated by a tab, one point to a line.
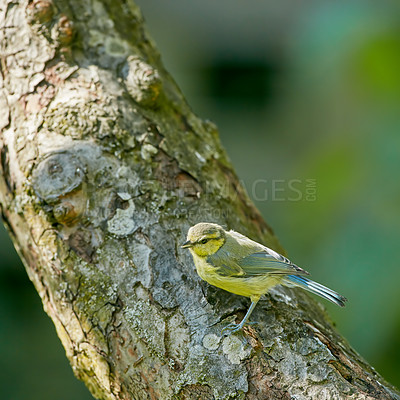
237	264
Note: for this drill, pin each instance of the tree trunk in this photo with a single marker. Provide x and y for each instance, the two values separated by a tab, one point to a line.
104	169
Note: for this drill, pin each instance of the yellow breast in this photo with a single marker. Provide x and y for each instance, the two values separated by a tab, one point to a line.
252	286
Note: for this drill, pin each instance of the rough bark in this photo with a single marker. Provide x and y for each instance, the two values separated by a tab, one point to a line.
104	168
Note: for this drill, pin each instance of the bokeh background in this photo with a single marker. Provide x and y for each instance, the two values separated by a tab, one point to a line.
306	95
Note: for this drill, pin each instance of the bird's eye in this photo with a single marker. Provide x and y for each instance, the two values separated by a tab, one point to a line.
204	241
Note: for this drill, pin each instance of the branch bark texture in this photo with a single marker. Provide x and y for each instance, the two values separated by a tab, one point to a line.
104	168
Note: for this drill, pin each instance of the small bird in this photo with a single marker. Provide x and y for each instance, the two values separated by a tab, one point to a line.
233	262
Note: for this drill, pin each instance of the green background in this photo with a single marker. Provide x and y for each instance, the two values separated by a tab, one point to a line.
306	96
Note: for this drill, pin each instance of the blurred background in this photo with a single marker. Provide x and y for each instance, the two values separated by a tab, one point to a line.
306	96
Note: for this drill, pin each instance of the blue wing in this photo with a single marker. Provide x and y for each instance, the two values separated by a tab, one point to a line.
261	263
256	264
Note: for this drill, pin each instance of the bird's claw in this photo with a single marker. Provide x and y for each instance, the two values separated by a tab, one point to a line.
231	328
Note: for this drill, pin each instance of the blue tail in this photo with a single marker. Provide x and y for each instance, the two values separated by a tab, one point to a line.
316	288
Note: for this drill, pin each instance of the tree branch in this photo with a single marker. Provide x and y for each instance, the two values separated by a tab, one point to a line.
104	168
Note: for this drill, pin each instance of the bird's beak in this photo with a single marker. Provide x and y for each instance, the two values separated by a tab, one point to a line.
187	244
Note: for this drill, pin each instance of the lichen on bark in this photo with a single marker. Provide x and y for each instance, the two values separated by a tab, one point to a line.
104	168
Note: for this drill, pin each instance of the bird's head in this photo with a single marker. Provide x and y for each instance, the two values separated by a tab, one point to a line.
205	239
